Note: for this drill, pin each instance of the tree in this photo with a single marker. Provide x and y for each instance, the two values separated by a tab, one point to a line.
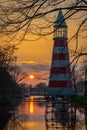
9	78
8	60
7	56
25	14
8	86
19	18
41	86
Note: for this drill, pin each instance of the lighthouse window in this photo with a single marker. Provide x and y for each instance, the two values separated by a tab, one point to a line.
61	32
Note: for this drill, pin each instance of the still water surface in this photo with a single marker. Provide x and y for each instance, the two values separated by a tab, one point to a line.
31	115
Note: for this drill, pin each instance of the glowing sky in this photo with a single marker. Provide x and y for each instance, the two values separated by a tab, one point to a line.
36	51
40	51
35	56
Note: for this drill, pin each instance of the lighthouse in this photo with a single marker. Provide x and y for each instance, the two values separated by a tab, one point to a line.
60	80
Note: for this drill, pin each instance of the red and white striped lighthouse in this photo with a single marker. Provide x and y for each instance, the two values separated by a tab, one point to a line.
60	82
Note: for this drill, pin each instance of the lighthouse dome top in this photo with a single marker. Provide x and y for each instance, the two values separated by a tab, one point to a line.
60	21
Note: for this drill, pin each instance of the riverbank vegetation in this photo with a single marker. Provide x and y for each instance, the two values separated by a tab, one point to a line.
9	85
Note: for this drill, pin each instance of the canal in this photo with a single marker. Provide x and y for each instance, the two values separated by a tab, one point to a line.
29	115
32	114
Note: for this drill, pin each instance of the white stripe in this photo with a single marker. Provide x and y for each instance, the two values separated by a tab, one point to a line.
60	63
59	50
53	91
61	77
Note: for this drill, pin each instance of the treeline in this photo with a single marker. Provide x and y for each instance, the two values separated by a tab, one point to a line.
9	86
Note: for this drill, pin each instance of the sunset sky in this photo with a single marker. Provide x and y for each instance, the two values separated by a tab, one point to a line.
35	56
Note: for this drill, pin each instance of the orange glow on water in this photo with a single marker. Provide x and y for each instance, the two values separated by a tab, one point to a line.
31	104
28	124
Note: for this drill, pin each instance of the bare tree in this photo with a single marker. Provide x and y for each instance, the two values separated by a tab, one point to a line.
37	16
17	74
7	56
19	18
8	62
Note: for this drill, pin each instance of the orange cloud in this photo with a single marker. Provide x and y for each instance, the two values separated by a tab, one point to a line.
29	62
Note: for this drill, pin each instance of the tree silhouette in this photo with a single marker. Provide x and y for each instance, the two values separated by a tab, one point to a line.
19	18
36	16
8	82
7	56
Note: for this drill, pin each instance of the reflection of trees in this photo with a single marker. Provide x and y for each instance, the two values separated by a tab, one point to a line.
4	117
6	114
60	114
41	103
17	122
9	117
86	117
13	124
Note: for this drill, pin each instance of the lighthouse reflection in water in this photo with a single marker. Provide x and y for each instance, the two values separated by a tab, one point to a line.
36	113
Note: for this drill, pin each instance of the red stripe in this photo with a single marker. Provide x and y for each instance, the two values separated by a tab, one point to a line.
60	70
60	84
60	42
60	57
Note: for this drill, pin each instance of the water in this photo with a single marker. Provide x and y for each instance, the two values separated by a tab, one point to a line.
34	113
29	115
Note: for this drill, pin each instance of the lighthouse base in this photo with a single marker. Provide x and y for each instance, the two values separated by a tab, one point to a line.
60	91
